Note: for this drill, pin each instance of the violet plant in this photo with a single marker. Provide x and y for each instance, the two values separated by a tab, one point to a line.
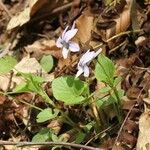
72	91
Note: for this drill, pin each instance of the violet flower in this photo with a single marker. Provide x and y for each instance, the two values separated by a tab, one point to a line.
65	43
85	61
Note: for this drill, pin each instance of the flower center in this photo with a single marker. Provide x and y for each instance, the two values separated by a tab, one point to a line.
65	44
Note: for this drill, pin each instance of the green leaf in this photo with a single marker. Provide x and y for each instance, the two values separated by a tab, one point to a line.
89	126
117	80
80	137
54	137
32	84
42	136
105	69
7	63
105	101
69	89
21	88
47	63
46	115
105	89
120	94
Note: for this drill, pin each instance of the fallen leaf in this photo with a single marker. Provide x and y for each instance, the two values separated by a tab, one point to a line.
143	142
29	65
141	41
34	7
38	48
85	26
19	20
122	23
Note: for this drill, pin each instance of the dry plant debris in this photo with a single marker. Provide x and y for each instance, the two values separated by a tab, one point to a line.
74	74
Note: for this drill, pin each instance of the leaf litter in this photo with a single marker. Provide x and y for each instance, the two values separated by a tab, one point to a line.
33	68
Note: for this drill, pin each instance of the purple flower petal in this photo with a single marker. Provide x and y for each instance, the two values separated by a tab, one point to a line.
73	26
69	34
64	32
73	47
86	71
65	52
80	71
58	43
87	57
98	52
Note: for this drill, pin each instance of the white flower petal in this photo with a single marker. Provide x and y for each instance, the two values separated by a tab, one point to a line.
87	57
65	52
74	47
86	71
69	34
80	71
73	26
58	43
98	52
64	32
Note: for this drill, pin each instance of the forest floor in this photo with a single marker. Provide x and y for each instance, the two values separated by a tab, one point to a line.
44	105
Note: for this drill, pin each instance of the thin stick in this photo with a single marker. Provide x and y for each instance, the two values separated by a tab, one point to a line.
123	33
128	115
21	144
119	132
110	127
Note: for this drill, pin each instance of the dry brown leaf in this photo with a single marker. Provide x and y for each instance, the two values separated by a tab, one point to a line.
85	26
29	65
34	7
122	23
133	92
26	65
5	79
143	142
38	48
19	20
140	41
147	100
55	125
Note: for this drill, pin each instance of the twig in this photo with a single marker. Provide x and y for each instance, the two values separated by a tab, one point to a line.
21	144
123	33
10	81
5	8
119	132
99	134
128	115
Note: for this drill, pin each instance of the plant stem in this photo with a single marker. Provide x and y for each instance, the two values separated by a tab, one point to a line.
97	115
68	120
29	105
118	105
